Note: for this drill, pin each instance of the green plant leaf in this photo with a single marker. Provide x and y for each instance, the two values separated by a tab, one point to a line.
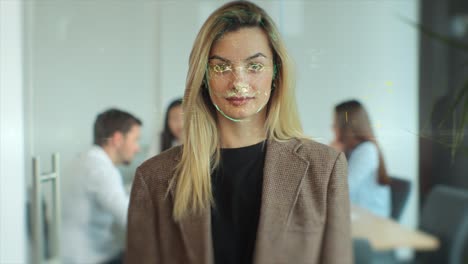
452	42
460	131
458	98
463	91
456	141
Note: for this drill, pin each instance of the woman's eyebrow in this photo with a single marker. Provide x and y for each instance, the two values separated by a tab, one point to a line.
256	55
259	54
219	58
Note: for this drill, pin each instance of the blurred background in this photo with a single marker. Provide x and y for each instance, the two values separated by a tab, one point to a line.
62	62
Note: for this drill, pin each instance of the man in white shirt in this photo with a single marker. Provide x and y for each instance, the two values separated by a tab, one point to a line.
94	199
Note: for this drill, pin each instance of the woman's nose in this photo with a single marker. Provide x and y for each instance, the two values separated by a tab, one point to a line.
241	87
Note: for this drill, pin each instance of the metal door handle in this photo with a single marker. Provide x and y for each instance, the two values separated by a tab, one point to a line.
37	213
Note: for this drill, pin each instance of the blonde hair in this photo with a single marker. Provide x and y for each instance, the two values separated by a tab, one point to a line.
201	149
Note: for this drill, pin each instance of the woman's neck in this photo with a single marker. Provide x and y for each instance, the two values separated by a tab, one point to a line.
243	133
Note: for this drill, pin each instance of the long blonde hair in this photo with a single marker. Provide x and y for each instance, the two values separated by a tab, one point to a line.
201	149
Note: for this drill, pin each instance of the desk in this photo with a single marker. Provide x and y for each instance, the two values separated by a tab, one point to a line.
387	234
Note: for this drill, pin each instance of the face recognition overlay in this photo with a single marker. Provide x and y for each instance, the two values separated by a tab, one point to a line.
240	74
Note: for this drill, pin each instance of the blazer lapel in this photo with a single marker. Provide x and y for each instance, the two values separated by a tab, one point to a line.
196	234
283	172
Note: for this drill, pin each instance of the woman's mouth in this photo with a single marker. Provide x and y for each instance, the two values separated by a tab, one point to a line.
238	101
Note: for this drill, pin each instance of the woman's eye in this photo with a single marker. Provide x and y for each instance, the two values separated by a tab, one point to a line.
221	68
256	67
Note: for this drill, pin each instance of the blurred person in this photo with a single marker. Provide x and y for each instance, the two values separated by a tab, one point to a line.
246	186
367	176
94	200
173	127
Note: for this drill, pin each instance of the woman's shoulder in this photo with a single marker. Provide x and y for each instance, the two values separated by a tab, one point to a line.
366	147
322	160
314	150
160	167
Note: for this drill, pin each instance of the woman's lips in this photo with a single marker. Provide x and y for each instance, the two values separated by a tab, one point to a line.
238	101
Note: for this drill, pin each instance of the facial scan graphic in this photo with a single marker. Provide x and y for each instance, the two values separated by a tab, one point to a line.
240	74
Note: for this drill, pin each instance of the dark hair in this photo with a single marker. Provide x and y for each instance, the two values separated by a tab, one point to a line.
353	123
166	136
111	121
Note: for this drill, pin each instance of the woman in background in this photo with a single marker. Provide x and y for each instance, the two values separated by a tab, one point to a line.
173	125
367	177
173	128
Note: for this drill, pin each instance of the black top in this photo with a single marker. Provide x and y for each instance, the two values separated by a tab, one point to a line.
237	191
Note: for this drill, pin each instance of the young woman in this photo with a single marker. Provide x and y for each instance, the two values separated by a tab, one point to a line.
173	127
368	179
246	186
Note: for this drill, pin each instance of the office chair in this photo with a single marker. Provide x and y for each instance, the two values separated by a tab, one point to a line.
363	252
400	190
445	215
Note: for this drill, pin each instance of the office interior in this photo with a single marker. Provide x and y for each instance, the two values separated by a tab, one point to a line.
62	62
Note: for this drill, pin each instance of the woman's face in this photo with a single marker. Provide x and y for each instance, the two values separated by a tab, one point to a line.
176	121
240	74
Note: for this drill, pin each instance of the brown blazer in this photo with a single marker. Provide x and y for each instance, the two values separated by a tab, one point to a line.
304	215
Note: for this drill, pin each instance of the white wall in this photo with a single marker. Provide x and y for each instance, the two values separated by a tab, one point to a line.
12	187
179	24
342	49
82	58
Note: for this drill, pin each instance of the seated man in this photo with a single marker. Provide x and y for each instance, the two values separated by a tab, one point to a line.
93	195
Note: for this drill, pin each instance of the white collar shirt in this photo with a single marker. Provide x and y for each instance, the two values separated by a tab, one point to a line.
94	201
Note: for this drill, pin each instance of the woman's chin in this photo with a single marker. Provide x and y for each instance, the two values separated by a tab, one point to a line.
238	117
